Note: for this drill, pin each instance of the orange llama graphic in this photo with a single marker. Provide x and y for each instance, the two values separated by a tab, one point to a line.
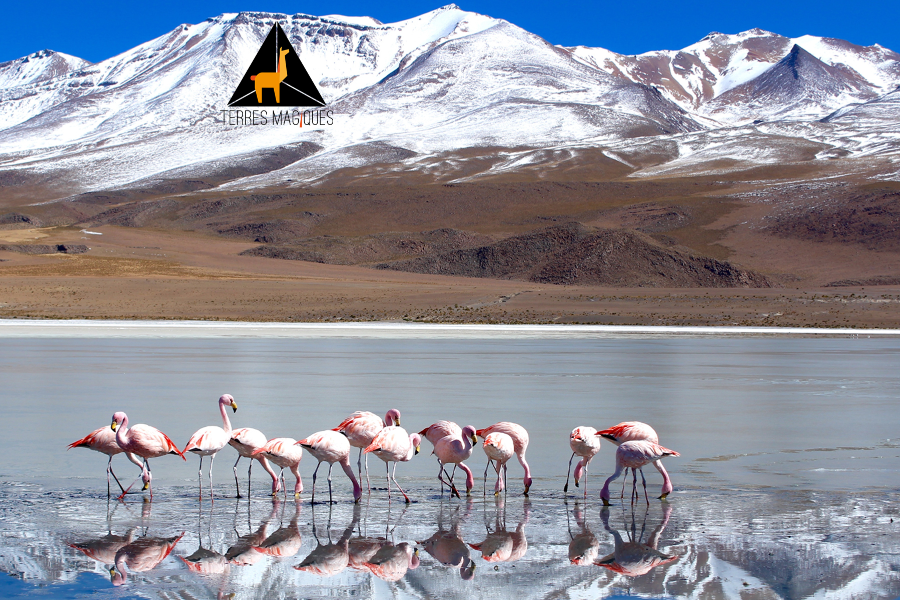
271	80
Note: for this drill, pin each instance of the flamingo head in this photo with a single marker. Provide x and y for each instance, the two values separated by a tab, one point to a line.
228	400
416	440
116	578
117	420
469	432
392	417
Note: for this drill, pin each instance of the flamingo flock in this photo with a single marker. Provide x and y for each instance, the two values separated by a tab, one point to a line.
637	446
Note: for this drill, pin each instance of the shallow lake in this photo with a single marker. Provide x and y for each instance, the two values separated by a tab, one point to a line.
785	488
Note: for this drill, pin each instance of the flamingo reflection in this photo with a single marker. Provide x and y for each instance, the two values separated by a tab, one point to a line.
448	547
285	541
584	548
244	552
634	557
501	545
330	559
205	560
141	555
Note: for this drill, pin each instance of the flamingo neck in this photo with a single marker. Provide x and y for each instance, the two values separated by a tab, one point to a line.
357	490
667	483
226	424
122	433
412	448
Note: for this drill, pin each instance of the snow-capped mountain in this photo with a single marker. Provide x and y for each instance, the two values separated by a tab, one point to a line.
408	95
707	70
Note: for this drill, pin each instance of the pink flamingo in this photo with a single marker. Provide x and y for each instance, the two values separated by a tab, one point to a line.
286	454
584	442
633	557
456	449
246	440
634	431
394	444
499	447
519	436
145	441
286	541
634	455
207	441
331	447
361	428
104	440
437	431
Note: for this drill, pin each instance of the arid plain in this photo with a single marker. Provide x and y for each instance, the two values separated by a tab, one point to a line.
782	253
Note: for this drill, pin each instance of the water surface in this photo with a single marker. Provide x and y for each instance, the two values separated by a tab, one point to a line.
785	488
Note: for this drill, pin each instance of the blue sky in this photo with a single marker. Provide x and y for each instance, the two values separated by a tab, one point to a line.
98	30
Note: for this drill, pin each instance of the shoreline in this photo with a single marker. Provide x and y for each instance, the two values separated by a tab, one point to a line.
16	328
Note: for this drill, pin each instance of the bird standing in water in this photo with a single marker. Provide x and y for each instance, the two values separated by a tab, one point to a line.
144	441
584	442
519	436
361	428
392	445
104	440
331	447
499	448
634	455
207	441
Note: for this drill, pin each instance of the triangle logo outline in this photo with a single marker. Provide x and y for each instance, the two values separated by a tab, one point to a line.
276	77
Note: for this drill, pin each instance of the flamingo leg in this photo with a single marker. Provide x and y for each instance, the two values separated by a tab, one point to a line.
249	481
313	499
584	477
485	475
108	472
330	466
505	483
283	484
368	485
236	484
453	490
387	466
394	477
212	461
568	470
634	492
644	481
499	487
200	477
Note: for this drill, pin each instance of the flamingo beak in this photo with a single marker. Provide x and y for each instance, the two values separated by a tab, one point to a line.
146	486
234	406
474	439
397	422
112	573
418	449
663	497
113	425
606	502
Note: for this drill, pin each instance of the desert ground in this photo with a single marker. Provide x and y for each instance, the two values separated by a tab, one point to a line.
149	273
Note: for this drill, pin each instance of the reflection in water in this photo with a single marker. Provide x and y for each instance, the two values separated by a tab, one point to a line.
285	541
501	545
331	558
634	557
141	555
732	546
584	547
204	560
244	552
447	545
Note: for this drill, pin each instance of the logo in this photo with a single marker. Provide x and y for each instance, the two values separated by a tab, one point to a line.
276	77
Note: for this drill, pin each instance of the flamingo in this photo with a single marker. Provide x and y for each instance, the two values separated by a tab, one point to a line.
361	428
244	551
584	442
634	455
245	440
207	441
331	447
394	444
104	440
284	453
519	436
456	449
437	431
103	550
633	431
145	441
499	447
